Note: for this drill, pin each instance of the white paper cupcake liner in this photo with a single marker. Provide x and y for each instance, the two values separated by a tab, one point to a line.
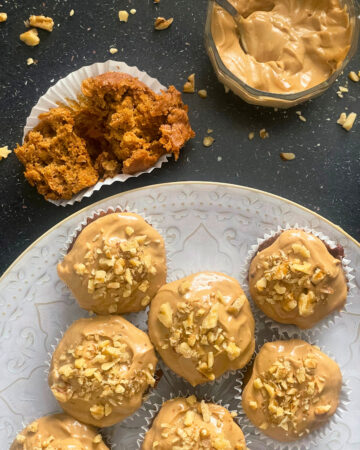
311	441
152	412
139	319
260	317
68	88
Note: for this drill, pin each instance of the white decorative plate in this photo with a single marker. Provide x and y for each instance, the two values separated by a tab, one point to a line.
207	226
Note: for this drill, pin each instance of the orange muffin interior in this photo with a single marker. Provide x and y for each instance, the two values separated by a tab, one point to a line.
118	125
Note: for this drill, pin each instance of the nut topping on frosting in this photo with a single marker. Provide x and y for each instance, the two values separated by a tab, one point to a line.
116	265
296	280
293	389
58	431
186	424
206	320
101	368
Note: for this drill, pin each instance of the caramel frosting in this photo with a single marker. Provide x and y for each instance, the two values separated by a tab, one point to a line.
284	46
202	326
294	389
186	424
116	264
58	432
101	369
296	280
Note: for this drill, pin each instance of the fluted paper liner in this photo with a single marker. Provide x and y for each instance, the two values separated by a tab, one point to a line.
312	440
68	88
328	321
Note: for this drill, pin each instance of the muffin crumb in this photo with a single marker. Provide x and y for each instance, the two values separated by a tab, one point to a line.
45	23
3	17
208	141
354	77
189	86
162	24
4	152
287	156
30	38
123	16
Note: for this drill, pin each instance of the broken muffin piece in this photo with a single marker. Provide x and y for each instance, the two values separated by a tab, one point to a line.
120	125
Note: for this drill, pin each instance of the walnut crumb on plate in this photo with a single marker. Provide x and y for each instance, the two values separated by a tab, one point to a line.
4	152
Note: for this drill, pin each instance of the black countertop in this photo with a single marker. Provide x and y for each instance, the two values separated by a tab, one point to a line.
325	176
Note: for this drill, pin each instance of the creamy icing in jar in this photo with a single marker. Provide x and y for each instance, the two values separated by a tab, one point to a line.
282	46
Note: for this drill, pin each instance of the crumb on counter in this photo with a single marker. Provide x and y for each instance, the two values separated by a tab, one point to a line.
251	135
4	152
30	61
113	50
45	23
3	17
71	13
189	86
30	38
133	11
354	76
263	133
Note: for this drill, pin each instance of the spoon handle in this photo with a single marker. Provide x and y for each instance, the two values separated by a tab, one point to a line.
227	6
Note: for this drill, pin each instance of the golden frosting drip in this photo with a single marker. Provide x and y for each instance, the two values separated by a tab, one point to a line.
296	280
186	424
58	432
101	369
294	389
286	46
116	265
202	326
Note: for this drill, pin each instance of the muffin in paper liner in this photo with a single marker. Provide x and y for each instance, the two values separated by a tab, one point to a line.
139	319
68	88
312	440
152	413
260	317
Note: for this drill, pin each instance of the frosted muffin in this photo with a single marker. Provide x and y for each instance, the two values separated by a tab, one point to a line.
101	369
116	264
294	389
185	423
58	431
296	279
202	326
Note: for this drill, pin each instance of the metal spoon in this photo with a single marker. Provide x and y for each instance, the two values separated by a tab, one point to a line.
225	4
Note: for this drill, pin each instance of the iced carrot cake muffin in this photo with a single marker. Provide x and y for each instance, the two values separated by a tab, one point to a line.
294	389
56	432
185	423
101	369
295	278
116	264
202	326
118	125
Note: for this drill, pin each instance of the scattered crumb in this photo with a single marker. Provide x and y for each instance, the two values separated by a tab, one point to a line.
202	93
263	133
219	158
298	113
161	23
302	118
3	17
156	1
251	135
189	86
133	11
354	77
30	37
30	61
71	13
208	141
45	23
209	131
123	16
347	121
343	89
287	156
4	152
113	50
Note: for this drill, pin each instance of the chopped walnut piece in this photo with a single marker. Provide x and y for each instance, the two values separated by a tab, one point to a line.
3	17
263	133
97	439
189	86
354	77
30	37
45	23
162	24
202	93
287	156
211	319
4	152
323	409
123	16
20	438
165	315
208	141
